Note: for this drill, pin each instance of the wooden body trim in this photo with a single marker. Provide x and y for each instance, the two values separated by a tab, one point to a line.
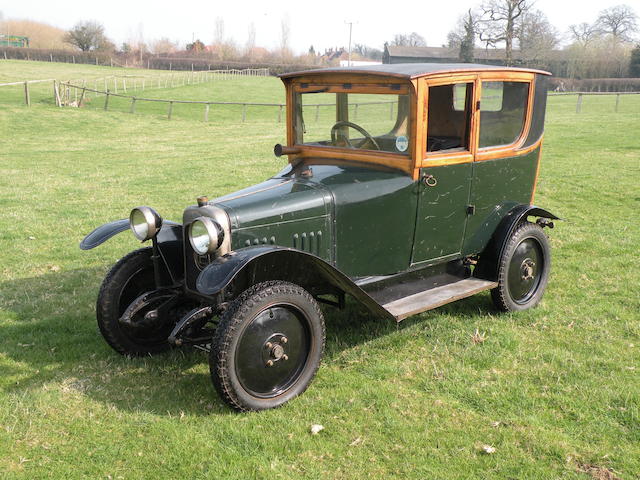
418	90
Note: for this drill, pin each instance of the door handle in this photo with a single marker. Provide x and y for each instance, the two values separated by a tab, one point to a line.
429	180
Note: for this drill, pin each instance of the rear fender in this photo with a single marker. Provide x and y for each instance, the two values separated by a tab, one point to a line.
237	271
487	267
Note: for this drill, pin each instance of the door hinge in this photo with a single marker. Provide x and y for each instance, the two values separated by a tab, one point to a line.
471	209
478	105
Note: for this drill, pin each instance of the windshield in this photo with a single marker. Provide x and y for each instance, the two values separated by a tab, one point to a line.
378	122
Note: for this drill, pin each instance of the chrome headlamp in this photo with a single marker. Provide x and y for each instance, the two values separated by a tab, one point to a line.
145	223
205	235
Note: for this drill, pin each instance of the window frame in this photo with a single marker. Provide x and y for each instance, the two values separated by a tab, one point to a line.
499	151
355	84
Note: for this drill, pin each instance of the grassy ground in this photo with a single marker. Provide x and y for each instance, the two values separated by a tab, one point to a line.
555	390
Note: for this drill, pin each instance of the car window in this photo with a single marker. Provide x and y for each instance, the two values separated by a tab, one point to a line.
503	106
449	117
378	122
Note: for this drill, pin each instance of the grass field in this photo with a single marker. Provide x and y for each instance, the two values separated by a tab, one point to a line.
555	390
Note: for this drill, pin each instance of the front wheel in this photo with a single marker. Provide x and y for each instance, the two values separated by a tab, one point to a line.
523	269
149	324
267	347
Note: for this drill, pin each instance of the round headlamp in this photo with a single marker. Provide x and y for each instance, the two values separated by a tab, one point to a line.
145	223
205	235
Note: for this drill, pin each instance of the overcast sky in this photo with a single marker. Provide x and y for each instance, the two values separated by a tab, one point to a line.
321	24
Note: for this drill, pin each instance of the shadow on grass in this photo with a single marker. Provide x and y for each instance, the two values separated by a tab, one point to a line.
50	338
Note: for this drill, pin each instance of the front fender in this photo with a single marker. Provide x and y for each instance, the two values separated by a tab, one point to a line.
104	233
252	265
487	267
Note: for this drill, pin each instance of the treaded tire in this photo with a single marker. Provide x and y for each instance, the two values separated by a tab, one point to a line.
237	328
523	269
131	276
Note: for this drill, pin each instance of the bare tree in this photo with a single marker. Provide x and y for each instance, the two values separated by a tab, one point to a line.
583	33
251	40
88	35
536	36
620	22
499	22
412	39
285	32
163	45
218	33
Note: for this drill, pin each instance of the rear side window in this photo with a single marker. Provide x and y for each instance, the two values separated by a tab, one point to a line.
503	108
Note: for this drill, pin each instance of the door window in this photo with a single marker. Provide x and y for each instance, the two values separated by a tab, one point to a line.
449	117
503	108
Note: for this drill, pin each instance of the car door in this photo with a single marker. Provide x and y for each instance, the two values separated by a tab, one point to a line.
446	169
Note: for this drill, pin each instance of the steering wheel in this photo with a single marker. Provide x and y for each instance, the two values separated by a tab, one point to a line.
344	123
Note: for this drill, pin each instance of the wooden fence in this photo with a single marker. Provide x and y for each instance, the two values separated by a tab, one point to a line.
582	94
65	97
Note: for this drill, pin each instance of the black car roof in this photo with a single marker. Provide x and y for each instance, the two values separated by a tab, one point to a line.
412	70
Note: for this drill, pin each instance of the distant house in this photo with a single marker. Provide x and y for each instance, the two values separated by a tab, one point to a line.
395	54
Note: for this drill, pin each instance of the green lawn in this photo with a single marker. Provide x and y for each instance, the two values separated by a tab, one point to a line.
555	390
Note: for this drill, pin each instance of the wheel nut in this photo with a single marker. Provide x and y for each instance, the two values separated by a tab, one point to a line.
269	363
285	357
284	340
268	345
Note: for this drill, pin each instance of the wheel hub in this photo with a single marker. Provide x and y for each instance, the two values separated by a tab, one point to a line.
527	269
274	350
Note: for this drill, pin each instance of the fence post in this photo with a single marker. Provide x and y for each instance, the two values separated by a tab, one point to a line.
280	114
579	104
391	111
56	94
206	112
244	112
27	99
115	84
133	105
317	113
106	101
51	57
170	111
81	97
617	102
124	84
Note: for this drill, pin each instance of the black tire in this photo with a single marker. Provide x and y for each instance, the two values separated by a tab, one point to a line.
129	278
250	335
523	269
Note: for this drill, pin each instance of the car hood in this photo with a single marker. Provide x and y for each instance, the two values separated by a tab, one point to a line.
308	190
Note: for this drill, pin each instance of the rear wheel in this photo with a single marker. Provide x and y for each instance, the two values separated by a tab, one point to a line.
267	347
523	269
144	333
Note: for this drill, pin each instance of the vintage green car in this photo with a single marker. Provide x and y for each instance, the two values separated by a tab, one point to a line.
408	187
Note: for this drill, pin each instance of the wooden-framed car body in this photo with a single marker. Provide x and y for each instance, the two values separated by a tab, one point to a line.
432	208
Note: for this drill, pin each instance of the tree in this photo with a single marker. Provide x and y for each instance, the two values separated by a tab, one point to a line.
312	51
162	45
285	31
634	62
583	33
87	36
409	40
468	42
499	22
196	46
536	36
620	22
251	40
367	52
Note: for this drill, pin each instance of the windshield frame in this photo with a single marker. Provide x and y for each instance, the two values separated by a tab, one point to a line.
352	84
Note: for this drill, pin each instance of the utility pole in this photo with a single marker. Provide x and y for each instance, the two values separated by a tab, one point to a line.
350	30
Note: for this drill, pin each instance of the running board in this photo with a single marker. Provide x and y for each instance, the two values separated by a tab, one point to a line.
436	297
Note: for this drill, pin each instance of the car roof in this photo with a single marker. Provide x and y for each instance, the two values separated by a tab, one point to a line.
412	70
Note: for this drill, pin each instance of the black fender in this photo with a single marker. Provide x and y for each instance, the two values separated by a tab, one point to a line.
168	241
488	263
242	268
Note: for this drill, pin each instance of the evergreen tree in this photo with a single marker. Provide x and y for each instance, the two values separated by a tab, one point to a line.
468	41
634	63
